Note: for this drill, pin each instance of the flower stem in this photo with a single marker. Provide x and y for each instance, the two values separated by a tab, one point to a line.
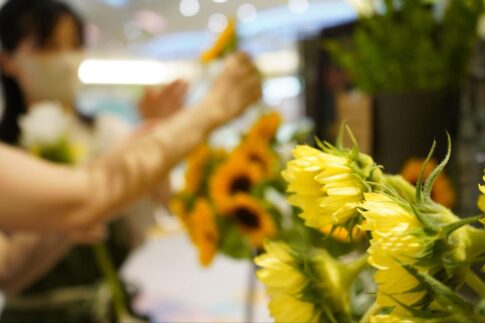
373	309
110	274
358	265
474	282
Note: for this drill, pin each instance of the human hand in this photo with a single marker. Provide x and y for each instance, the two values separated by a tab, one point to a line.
90	235
236	88
162	103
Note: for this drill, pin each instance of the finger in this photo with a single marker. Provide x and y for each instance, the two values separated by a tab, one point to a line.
91	235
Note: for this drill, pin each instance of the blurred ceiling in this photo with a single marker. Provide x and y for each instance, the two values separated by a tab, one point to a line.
159	29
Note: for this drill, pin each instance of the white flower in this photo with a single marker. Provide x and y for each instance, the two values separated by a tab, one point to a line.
45	124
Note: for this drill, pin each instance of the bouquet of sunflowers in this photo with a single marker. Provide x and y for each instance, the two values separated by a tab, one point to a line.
224	205
416	260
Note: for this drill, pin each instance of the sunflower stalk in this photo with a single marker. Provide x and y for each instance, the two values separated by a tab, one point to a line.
450	228
114	283
474	282
355	267
372	310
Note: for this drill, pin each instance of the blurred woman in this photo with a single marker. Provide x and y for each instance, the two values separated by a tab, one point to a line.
41	48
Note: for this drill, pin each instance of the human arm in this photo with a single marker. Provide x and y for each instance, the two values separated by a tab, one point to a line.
37	195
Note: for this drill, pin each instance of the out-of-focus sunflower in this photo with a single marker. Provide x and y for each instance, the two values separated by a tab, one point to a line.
203	231
227	41
234	176
178	207
251	218
196	164
342	234
259	153
266	127
442	193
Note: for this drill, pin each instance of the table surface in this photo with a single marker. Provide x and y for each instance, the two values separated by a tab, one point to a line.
175	288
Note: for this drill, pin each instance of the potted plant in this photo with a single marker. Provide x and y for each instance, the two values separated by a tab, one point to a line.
412	56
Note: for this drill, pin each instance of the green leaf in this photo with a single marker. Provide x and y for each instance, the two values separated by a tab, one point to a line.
339	143
355	145
428	186
419	184
233	242
441	293
450	228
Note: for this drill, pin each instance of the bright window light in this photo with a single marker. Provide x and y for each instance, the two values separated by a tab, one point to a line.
298	6
136	72
279	63
279	88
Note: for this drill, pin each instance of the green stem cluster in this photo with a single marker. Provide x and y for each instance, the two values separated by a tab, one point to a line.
114	283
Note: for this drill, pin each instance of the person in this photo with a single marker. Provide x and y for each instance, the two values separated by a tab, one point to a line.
39	196
41	42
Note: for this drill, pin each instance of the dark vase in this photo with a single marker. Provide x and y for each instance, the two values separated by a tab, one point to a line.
406	123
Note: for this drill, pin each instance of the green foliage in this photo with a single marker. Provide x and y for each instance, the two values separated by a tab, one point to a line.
233	242
60	153
405	47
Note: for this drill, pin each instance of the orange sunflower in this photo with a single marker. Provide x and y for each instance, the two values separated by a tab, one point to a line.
259	153
203	231
442	192
234	176
179	208
266	127
196	164
226	40
251	218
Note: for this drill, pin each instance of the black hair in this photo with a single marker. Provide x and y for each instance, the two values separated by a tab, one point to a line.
19	20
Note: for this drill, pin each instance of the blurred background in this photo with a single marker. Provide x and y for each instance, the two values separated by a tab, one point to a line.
309	80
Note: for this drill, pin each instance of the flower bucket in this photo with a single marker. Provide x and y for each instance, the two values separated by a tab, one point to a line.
405	125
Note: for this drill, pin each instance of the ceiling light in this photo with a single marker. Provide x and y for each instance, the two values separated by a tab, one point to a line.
189	8
247	13
217	22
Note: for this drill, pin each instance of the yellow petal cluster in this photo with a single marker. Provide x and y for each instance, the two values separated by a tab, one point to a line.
284	283
394	243
324	186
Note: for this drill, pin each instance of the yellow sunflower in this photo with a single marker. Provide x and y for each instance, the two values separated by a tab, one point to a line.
196	164
442	192
226	38
284	282
266	127
390	318
234	176
203	231
326	186
394	243
306	286
481	199
259	153
251	218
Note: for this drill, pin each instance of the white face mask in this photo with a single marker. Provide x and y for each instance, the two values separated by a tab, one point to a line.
51	78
